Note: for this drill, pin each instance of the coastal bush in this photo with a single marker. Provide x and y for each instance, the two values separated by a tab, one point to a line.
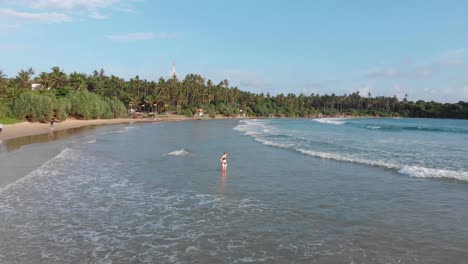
193	109
87	105
61	105
116	107
9	120
33	106
62	108
99	108
172	96
4	109
62	91
187	113
260	110
22	105
41	106
79	107
211	110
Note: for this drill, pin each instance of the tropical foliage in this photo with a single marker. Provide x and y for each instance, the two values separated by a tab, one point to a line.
98	95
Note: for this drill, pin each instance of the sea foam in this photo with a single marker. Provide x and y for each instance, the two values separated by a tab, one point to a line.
412	171
422	172
348	158
181	152
259	131
104	217
332	121
41	171
91	141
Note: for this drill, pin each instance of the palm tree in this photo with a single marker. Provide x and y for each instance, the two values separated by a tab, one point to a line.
58	78
82	87
78	82
3	79
44	79
151	101
24	78
160	100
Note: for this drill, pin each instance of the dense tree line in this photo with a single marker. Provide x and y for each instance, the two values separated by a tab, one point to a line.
98	95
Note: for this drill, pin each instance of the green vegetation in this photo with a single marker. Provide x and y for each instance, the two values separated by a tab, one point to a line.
100	96
9	121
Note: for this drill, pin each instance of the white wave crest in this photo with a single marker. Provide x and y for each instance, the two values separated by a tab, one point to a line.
273	143
257	129
65	153
422	172
181	152
91	141
412	171
251	127
332	121
340	157
74	183
124	130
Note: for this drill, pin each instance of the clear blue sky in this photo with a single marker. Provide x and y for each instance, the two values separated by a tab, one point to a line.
385	47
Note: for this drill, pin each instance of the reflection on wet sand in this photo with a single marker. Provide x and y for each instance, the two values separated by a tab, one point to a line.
16	143
51	135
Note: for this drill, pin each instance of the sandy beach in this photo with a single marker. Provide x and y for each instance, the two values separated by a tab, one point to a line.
29	129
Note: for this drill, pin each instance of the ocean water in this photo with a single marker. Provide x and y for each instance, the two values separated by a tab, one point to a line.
425	148
296	191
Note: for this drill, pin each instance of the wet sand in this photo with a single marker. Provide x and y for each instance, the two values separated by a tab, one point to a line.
29	129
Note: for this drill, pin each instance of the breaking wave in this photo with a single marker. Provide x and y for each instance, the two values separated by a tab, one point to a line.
422	172
39	171
181	152
332	121
91	141
415	128
123	130
258	129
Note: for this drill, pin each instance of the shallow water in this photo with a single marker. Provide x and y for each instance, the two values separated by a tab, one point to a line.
154	194
49	135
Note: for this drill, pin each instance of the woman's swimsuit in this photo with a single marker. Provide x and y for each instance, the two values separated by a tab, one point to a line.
224	160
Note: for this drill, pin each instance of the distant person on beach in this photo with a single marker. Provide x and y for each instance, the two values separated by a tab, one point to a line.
223	160
52	122
1	127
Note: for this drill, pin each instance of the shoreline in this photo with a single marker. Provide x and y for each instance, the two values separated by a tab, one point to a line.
25	129
18	164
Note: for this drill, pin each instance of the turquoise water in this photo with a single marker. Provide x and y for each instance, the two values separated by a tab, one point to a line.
296	191
433	148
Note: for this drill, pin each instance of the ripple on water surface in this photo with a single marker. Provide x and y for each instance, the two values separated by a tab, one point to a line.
72	211
84	207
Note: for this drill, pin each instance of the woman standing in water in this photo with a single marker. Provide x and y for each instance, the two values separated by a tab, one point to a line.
223	160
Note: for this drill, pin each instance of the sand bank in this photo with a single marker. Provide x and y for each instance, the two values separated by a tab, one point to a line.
29	129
